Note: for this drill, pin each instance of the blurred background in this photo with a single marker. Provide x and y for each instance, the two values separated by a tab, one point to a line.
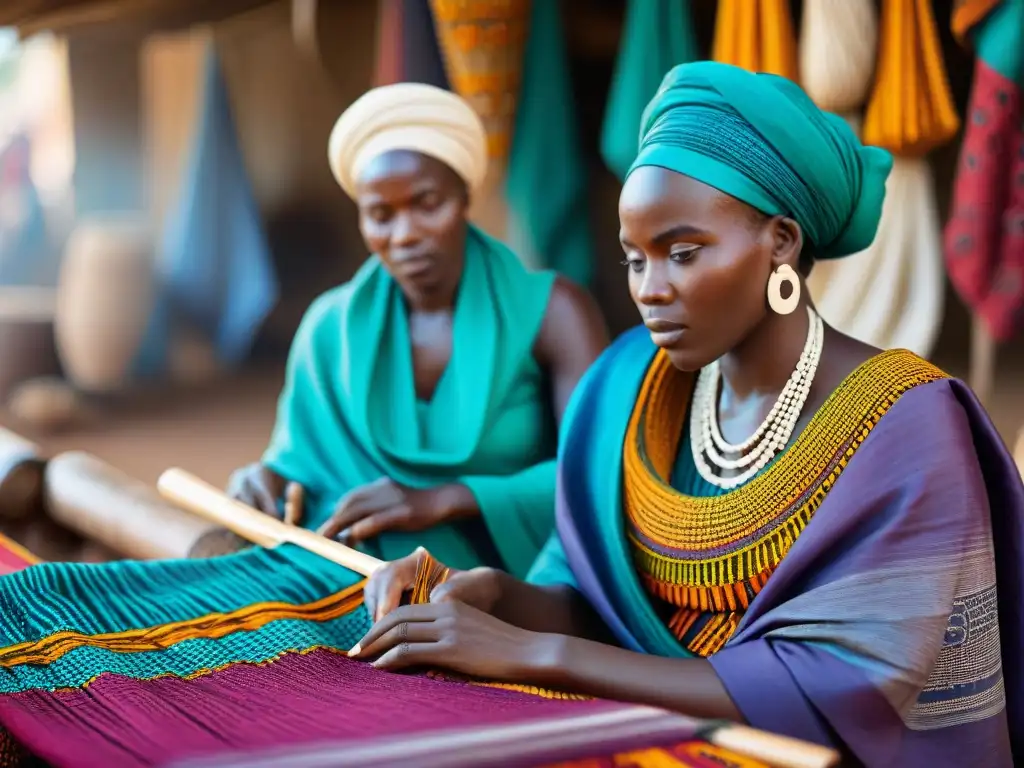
167	212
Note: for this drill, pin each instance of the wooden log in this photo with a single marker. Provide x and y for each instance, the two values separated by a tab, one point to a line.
21	477
108	507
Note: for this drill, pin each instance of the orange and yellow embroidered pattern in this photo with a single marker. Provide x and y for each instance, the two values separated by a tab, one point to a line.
708	557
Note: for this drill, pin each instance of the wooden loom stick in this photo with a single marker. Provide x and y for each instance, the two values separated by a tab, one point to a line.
203	499
779	751
199	497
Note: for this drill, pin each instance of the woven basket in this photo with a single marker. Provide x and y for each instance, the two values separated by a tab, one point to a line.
482	42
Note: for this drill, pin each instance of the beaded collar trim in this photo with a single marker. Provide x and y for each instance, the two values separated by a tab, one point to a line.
714	554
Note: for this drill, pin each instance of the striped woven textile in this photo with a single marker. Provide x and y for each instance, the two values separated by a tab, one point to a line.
240	660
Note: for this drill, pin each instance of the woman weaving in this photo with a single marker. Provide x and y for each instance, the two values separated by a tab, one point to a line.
416	408
758	518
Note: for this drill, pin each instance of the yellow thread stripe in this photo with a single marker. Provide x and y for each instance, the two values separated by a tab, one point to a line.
211	626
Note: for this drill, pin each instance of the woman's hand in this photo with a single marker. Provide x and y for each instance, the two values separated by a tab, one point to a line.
385	505
460	638
479	588
257	486
216	542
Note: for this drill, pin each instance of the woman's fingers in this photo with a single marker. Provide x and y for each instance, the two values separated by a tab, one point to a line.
293	499
375	524
389	595
405	613
350	510
261	497
399	634
409	655
383	592
358	503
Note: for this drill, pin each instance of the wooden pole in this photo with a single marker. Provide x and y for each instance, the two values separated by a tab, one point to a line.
983	361
201	498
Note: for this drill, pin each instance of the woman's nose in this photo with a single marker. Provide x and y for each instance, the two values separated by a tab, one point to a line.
404	231
654	287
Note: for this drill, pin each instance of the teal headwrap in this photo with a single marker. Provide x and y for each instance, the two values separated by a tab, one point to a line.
760	138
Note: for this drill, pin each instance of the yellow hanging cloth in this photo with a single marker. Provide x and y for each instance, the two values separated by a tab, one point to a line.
911	109
757	35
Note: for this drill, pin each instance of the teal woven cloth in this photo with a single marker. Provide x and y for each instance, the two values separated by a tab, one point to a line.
41	602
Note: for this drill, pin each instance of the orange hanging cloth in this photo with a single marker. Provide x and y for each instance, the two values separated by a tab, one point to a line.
483	46
911	109
967	14
757	35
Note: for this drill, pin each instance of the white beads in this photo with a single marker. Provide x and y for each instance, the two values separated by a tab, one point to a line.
771	437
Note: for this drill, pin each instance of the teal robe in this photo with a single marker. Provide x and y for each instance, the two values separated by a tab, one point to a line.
349	414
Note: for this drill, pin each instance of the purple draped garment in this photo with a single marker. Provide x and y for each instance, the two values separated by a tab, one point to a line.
893	629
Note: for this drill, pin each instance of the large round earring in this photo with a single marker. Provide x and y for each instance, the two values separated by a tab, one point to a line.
784	274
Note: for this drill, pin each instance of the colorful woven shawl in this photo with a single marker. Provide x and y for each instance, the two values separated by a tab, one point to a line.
137	664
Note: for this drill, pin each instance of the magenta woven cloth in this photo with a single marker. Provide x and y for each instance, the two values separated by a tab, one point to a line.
299	699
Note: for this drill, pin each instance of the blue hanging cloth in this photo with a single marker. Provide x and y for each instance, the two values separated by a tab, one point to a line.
214	269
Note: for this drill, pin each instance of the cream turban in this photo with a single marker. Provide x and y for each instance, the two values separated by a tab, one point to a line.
412	116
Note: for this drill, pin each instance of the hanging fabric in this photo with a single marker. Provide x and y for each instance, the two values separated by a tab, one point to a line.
214	269
892	293
24	245
656	36
407	50
984	238
546	185
911	110
756	35
838	48
483	45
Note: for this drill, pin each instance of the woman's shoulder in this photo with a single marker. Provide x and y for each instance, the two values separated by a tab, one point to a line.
929	423
572	331
324	315
328	303
571	311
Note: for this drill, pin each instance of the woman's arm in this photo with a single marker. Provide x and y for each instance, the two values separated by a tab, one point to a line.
556	609
605	671
459	637
572	336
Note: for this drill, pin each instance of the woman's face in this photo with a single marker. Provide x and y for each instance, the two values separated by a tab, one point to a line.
412	214
699	262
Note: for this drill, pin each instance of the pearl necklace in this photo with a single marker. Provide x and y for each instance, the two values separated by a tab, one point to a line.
753	454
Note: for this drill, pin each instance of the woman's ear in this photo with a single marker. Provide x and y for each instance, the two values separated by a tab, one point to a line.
787	242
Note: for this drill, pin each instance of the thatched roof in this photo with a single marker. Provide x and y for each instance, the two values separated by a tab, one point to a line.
31	16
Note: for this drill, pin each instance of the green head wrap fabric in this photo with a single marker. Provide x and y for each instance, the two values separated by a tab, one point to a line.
760	138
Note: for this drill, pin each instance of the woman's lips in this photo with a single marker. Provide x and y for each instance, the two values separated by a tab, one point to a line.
665	333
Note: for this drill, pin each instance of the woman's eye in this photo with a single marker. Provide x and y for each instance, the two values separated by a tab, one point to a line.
379	214
430	200
684	254
633	263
